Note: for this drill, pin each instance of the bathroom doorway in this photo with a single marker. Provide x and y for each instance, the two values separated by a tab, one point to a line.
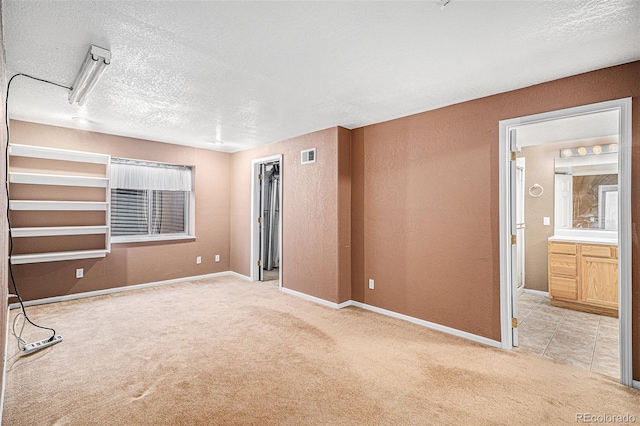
577	264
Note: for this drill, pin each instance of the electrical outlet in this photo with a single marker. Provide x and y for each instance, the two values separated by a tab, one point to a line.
217	258
79	273
198	260
371	284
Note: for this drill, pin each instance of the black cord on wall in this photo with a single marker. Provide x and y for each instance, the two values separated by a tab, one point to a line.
6	179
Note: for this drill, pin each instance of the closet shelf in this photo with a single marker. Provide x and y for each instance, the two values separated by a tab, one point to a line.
47	231
34	205
18	150
58	180
20	259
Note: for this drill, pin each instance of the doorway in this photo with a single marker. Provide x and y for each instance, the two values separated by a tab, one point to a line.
266	219
573	294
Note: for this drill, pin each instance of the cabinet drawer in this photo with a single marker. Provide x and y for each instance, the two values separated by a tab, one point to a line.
599	251
563	264
563	288
562	248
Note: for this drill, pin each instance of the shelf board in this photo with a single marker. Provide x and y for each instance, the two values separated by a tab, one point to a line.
48	231
57	205
58	154
59	180
20	259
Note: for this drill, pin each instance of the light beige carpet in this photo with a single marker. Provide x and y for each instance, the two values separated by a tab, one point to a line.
225	351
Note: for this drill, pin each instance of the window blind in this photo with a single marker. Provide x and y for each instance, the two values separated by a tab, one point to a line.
129	212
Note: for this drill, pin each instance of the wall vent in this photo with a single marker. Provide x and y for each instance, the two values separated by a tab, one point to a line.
308	156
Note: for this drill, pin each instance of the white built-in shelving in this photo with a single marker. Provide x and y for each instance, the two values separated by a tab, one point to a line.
19	259
33	151
49	231
62	180
58	180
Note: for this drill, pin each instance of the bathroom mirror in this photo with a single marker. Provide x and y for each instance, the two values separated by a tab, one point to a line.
586	190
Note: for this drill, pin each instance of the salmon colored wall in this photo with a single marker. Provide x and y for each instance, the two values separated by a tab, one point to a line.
313	212
344	214
539	168
133	263
357	215
429	186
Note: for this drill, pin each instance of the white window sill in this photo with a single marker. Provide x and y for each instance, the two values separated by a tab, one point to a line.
151	238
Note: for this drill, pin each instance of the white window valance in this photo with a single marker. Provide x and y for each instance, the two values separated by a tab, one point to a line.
150	177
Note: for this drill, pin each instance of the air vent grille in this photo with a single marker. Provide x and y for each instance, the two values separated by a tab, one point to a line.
308	156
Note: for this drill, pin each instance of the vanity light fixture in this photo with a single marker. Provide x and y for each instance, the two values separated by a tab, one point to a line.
587	150
92	68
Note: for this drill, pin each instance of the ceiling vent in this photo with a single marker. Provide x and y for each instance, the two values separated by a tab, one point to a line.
308	156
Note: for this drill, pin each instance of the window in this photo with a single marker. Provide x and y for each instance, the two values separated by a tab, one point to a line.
150	201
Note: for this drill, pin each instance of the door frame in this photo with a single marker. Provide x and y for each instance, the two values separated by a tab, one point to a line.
255	214
624	229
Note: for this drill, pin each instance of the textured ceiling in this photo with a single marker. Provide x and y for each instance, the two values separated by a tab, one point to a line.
250	73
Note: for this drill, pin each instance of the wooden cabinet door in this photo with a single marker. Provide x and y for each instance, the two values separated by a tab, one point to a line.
599	281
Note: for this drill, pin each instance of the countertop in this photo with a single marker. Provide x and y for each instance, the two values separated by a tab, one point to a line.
585	236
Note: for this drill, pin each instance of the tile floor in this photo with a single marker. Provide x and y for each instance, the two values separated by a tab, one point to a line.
585	340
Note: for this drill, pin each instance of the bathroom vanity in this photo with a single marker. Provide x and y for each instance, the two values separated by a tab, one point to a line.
583	273
583	252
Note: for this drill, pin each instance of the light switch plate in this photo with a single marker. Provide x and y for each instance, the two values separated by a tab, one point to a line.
546	221
79	272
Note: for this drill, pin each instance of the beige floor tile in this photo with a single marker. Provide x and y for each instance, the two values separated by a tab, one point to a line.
610	321
608	339
535	345
547	315
579	327
577	338
606	328
523	313
571	361
606	349
606	364
538	327
571	342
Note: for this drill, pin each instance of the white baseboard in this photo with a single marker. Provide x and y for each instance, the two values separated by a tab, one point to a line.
121	289
237	275
316	299
434	326
428	324
636	384
537	292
